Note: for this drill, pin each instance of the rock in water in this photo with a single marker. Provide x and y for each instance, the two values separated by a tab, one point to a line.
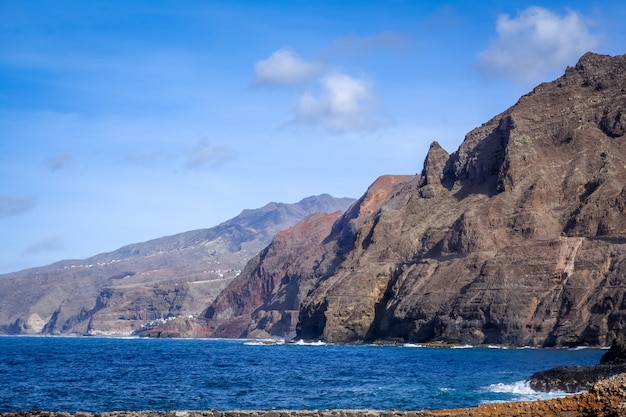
616	354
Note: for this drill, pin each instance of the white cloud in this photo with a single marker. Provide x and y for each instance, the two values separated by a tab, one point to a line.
12	205
536	42
285	67
344	104
206	154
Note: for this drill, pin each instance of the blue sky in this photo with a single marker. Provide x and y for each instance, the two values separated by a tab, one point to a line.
123	121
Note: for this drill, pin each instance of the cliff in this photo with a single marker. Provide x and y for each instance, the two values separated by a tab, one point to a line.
517	238
264	300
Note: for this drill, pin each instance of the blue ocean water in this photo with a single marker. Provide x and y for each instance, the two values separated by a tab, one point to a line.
106	374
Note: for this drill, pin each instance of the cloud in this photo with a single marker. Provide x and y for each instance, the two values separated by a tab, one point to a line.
344	104
58	162
206	154
536	42
12	205
52	244
285	67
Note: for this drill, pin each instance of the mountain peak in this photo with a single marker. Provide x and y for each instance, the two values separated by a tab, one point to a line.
118	292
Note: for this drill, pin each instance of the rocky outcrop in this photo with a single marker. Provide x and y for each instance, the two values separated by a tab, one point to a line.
518	237
145	284
574	379
582	378
264	300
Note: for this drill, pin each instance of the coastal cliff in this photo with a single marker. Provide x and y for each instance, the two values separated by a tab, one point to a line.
516	238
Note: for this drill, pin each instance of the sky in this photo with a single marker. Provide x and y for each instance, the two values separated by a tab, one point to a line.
123	121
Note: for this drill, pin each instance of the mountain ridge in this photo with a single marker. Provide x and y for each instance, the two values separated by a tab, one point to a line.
116	292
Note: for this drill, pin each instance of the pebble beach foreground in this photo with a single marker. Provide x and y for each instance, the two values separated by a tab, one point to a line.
606	399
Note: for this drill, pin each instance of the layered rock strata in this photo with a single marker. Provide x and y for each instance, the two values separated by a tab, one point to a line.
518	238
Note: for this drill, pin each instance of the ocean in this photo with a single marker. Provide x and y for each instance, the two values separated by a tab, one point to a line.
109	374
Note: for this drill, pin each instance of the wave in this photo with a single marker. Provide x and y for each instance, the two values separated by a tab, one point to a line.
463	347
521	391
413	345
271	342
304	343
264	342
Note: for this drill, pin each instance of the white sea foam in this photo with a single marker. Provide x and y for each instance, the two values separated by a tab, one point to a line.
522	391
264	342
271	342
413	345
462	347
315	343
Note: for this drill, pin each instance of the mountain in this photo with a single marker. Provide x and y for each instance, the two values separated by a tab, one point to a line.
517	238
145	283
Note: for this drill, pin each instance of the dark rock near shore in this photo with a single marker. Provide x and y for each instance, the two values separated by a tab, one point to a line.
616	354
582	378
573	378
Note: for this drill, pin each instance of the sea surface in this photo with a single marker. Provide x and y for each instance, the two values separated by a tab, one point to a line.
107	374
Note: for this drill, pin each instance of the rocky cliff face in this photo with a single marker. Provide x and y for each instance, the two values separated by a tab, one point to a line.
143	284
264	301
518	237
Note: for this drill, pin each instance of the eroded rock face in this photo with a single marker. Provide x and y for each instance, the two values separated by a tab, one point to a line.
264	301
519	237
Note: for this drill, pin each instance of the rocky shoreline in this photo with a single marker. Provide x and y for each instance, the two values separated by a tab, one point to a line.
607	398
573	379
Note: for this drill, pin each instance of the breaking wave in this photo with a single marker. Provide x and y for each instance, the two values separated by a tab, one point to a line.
521	391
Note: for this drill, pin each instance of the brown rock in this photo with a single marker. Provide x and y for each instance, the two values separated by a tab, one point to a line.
264	300
518	238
